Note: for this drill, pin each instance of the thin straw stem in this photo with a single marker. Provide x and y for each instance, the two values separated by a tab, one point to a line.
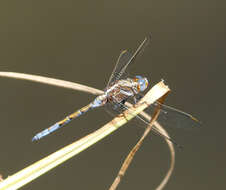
39	168
51	81
132	153
76	86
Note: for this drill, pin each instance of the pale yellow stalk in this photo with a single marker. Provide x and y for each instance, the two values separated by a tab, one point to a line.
37	169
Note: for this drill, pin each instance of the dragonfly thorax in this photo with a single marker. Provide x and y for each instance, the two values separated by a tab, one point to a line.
125	88
121	90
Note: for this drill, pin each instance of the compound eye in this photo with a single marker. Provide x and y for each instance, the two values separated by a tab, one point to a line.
137	77
143	84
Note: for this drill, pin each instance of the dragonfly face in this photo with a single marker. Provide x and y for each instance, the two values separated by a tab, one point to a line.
142	83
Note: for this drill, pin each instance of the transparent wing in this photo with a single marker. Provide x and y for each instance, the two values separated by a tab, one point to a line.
172	117
115	108
125	58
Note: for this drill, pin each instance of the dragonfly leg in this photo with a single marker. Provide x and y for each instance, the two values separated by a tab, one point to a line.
138	97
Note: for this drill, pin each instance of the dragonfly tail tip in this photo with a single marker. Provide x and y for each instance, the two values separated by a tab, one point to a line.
35	138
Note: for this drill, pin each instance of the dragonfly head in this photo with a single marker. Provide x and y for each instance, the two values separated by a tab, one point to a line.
142	83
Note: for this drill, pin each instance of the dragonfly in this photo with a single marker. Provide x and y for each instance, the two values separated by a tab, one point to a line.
118	91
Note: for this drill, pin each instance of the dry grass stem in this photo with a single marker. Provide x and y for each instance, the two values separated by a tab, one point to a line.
172	152
132	153
37	169
75	86
51	81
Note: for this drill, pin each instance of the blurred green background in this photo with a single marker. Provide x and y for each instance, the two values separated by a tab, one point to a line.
80	41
